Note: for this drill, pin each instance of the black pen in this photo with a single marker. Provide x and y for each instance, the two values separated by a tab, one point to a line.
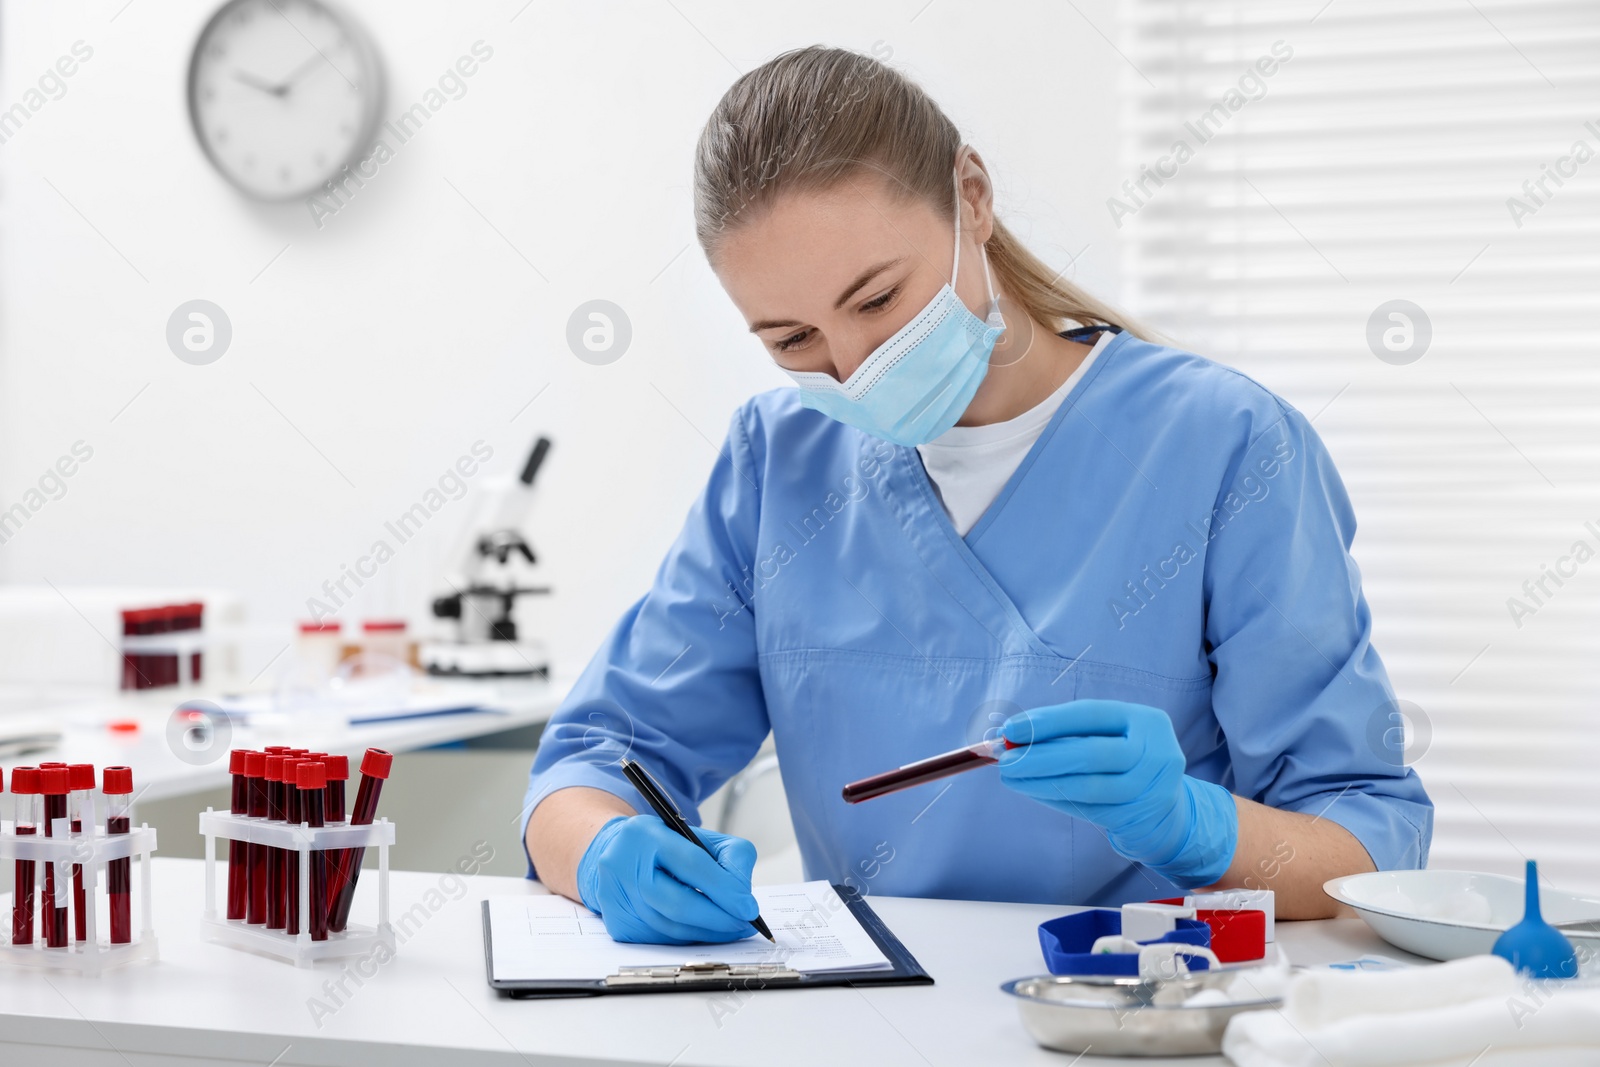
668	811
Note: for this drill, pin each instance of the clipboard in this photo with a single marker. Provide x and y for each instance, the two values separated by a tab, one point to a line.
903	968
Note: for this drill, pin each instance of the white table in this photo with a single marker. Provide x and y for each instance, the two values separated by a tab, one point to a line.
158	772
430	1004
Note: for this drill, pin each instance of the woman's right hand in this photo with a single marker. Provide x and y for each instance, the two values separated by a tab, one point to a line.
650	885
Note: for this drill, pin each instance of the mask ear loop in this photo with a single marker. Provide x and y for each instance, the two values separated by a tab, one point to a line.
955	269
992	315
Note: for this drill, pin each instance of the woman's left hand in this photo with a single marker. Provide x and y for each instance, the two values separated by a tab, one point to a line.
1119	766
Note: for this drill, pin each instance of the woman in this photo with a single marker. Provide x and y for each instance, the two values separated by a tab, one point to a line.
972	519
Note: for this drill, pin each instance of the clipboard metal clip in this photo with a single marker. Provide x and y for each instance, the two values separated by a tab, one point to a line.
690	973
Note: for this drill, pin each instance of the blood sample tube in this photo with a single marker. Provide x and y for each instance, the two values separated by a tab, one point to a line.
80	783
118	786
255	769
959	761
291	857
313	780
338	772
53	905
25	793
275	856
374	770
238	852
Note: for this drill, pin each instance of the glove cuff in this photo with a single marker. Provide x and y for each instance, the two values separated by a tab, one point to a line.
1213	836
588	878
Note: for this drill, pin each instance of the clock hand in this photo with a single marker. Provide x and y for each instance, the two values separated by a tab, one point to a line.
256	83
299	72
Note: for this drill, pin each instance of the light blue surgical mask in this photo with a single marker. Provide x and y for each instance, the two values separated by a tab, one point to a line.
916	384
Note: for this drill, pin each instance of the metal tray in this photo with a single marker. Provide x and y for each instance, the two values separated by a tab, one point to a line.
1126	1016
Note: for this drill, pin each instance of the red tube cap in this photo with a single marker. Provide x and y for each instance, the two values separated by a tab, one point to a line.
118	780
1236	935
338	767
376	763
25	781
236	760
312	775
255	764
274	772
275	750
46	766
80	776
53	781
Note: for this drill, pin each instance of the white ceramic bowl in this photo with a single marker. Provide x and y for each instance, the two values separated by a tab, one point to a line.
1445	915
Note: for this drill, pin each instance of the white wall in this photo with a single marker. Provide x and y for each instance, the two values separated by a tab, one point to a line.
406	328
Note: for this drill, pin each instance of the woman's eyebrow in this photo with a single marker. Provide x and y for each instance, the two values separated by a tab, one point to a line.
865	277
862	279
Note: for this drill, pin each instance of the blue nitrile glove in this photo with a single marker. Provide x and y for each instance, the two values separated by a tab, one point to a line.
1119	766
642	879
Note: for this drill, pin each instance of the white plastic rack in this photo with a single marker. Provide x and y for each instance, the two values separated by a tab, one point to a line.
298	948
91	850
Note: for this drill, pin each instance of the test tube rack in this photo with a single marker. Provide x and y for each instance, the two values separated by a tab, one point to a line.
298	948
92	849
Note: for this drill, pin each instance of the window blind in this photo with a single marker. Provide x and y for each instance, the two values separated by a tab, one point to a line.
1293	171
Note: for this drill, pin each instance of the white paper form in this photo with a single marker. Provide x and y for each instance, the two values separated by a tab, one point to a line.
550	938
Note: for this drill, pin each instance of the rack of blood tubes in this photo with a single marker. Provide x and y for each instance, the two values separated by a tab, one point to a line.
294	858
62	856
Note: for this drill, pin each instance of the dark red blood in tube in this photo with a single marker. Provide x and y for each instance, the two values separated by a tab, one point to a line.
375	767
255	769
238	851
291	857
80	780
945	764
313	782
24	783
277	916
53	906
118	785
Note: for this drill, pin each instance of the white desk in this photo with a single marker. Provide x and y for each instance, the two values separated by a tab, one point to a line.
430	1004
158	772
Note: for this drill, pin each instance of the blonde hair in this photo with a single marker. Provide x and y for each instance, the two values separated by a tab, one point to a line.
817	116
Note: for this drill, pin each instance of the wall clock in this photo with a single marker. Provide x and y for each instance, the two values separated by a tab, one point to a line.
283	94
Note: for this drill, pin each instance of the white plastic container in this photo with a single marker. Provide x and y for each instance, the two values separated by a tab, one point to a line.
91	849
297	948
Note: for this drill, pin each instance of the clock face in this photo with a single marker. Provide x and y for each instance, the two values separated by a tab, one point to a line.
283	94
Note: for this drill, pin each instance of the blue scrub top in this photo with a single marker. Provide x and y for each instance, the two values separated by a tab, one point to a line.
1177	536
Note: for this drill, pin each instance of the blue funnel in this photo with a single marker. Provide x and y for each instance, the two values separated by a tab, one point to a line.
1533	946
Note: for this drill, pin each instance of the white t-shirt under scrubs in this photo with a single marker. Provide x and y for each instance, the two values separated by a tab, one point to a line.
969	465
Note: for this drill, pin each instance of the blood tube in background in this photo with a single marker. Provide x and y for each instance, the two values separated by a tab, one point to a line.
255	769
25	793
118	786
276	916
53	905
313	780
80	782
375	767
238	853
291	857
